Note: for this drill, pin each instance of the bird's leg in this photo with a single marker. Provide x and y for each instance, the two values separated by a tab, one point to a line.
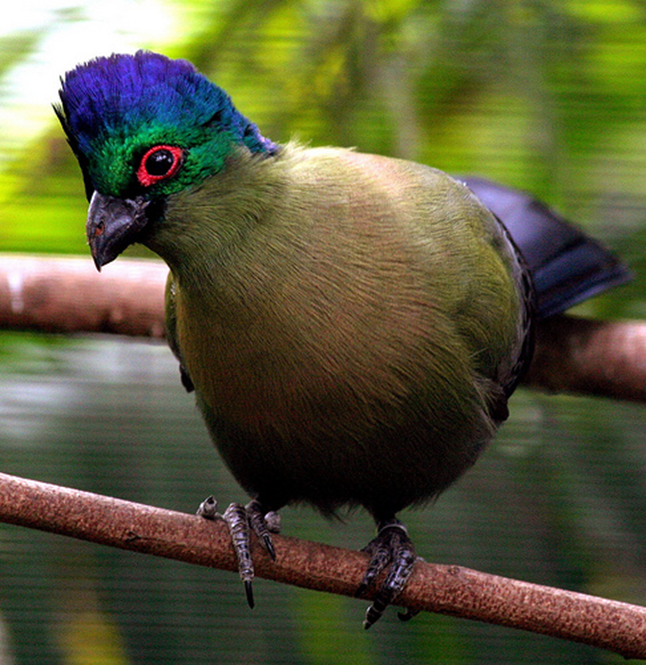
391	545
240	519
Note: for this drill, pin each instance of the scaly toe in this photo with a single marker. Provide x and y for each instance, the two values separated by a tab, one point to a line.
208	508
391	545
237	520
241	520
261	527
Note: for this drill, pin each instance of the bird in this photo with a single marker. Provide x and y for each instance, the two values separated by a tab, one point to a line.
353	325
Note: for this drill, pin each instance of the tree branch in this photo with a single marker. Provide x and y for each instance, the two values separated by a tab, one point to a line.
67	295
584	356
453	590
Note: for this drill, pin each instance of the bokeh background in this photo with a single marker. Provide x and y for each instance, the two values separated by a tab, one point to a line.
548	96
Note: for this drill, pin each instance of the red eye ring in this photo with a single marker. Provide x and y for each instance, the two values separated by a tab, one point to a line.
158	163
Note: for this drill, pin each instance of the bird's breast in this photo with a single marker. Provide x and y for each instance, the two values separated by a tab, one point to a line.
310	353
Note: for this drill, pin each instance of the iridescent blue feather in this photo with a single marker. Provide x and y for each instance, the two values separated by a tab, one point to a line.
124	91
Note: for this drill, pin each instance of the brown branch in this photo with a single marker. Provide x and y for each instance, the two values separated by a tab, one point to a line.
591	357
453	590
67	295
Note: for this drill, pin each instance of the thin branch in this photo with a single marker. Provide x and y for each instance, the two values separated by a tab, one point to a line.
67	295
453	590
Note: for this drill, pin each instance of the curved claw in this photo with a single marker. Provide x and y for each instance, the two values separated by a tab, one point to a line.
248	589
391	545
240	519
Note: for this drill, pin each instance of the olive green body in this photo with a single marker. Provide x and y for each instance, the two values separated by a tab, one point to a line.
350	323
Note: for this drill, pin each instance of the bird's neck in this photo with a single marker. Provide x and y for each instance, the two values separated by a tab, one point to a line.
207	229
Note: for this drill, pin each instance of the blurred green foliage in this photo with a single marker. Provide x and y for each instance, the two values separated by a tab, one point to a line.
544	95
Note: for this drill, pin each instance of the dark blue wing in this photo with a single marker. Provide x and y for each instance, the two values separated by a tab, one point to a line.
567	266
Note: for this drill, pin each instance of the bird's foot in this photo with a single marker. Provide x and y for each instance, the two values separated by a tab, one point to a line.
391	546
240	520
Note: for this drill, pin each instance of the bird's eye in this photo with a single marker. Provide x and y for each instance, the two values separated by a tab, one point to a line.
159	163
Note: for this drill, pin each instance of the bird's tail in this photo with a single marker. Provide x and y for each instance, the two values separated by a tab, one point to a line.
567	266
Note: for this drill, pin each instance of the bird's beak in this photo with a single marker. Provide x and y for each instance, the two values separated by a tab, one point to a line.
112	225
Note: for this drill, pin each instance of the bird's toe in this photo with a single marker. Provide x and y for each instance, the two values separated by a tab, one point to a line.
241	520
263	524
208	508
393	546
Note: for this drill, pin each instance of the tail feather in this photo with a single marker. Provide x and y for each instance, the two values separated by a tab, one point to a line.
567	266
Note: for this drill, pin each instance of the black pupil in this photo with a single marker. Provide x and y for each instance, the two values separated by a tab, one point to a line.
160	162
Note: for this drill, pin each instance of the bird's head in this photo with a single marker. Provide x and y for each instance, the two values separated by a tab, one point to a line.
144	127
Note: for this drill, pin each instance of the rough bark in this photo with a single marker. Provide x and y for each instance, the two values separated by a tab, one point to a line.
454	590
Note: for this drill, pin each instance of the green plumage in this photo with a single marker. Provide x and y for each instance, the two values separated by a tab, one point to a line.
346	320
